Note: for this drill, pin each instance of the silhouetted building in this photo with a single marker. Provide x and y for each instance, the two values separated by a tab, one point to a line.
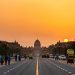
9	48
61	47
37	48
45	51
37	44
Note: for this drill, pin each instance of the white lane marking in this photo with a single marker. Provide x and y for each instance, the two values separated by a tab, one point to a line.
70	72
5	72
62	68
37	73
13	68
66	70
8	71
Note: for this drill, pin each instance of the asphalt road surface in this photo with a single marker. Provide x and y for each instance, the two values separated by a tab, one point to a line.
52	67
40	66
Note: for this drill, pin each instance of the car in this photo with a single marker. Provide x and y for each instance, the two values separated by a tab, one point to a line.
45	56
62	57
30	57
70	59
51	56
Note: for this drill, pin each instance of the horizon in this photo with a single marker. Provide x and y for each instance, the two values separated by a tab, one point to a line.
28	45
65	40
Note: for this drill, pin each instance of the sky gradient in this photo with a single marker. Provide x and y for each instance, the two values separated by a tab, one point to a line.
27	20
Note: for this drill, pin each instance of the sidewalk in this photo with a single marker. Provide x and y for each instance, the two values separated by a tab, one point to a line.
65	62
11	62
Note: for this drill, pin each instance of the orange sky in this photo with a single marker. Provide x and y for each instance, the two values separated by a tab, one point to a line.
27	20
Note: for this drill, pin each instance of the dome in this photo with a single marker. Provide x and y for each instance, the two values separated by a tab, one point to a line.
37	43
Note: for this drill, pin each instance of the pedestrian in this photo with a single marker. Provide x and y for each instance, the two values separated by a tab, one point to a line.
6	59
0	58
16	57
19	57
56	58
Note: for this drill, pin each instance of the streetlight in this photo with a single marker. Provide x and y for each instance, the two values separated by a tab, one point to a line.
59	47
66	41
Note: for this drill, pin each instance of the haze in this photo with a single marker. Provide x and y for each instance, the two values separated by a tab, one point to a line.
27	20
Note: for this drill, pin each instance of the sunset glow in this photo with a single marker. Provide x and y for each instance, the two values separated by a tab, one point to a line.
27	20
66	40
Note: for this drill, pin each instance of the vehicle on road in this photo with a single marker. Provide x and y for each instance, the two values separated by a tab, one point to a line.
30	56
62	57
45	56
70	56
51	56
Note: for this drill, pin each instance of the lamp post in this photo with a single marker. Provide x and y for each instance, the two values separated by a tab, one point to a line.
66	41
59	47
8	49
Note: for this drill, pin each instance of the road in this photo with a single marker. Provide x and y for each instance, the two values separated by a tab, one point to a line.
38	67
52	67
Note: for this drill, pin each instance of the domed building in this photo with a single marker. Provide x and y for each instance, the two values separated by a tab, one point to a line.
37	44
37	48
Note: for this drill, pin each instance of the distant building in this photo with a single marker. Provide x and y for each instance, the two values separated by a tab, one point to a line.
37	48
9	48
45	51
37	44
61	47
